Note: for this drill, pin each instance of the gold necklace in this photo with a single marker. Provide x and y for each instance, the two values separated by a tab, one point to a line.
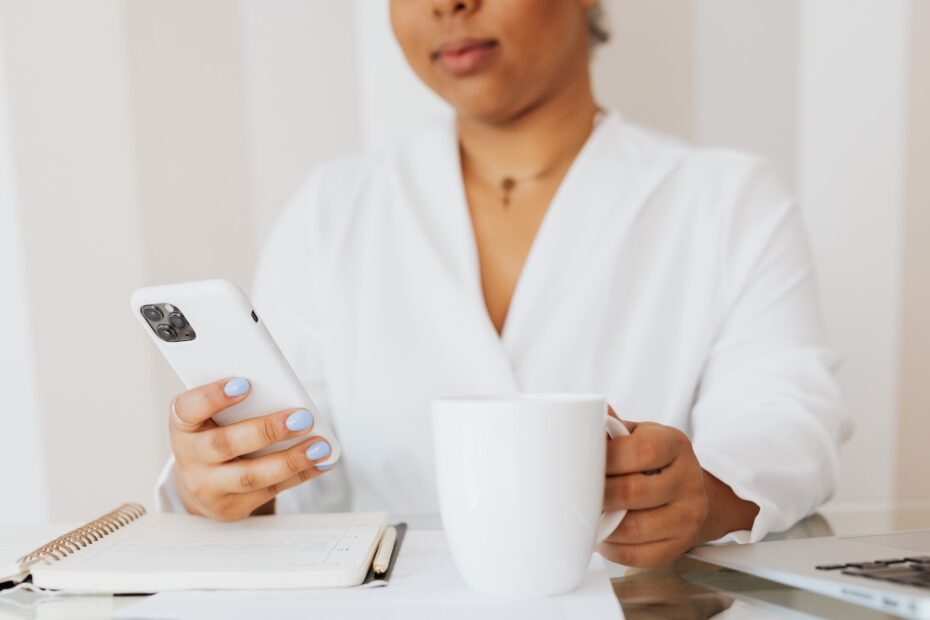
508	183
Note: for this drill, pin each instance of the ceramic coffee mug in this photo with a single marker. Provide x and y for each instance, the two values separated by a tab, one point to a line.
521	486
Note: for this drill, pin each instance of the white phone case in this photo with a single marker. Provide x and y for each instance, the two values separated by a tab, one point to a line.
231	341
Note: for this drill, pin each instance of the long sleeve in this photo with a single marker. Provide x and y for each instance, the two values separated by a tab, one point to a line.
768	417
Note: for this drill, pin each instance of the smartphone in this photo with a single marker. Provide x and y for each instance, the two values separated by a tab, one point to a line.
209	330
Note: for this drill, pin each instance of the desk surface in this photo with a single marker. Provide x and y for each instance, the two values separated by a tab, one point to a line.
694	590
688	589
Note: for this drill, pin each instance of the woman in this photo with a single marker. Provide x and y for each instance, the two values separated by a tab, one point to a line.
535	243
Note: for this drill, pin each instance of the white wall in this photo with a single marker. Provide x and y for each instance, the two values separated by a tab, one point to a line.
391	98
72	148
851	162
126	119
647	70
914	421
747	92
20	439
300	60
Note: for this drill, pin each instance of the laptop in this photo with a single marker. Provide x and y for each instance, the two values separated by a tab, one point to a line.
888	572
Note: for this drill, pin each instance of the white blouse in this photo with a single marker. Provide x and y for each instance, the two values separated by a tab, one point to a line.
675	281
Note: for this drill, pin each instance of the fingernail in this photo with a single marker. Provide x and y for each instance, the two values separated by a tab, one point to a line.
300	420
325	466
319	450
236	387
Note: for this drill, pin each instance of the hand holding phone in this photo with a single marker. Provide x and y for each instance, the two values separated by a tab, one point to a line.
213	479
246	429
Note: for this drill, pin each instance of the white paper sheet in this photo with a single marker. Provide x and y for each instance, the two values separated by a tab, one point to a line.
424	584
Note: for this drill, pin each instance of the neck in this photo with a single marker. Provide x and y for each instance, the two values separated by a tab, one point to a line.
543	136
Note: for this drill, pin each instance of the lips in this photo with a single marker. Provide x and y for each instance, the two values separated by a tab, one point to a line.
465	56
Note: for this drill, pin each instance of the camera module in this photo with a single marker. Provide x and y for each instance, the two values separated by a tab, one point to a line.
168	322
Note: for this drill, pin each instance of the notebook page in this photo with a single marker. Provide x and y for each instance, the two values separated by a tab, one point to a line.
425	585
173	544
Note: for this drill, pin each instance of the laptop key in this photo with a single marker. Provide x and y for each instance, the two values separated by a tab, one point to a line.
888	573
859	573
865	565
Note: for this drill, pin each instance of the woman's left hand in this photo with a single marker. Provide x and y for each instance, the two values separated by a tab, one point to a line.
655	475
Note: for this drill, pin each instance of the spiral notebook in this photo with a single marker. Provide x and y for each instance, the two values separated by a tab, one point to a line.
131	551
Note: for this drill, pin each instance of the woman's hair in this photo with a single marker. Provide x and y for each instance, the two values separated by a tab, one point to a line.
597	31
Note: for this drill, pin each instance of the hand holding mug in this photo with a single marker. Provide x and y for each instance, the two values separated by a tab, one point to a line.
655	475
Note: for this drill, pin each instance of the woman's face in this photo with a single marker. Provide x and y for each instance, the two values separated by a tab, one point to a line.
493	59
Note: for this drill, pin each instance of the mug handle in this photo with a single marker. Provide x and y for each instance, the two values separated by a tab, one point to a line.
609	521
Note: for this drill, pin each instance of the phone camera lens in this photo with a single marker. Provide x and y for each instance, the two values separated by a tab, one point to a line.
166	332
177	320
152	313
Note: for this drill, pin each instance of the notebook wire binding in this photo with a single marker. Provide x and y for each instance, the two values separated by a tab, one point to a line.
84	536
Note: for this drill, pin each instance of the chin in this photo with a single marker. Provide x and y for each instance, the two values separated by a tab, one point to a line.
486	104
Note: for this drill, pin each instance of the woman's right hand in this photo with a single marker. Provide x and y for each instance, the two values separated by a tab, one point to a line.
212	478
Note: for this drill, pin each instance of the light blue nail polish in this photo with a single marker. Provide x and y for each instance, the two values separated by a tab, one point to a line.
300	420
236	387
325	466
317	451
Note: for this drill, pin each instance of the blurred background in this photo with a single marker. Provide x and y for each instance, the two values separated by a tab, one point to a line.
146	142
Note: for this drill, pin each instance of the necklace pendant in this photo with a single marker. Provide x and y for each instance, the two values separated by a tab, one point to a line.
507	184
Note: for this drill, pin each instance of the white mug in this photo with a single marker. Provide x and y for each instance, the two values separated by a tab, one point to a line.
521	487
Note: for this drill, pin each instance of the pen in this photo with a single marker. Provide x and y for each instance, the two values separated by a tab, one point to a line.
385	549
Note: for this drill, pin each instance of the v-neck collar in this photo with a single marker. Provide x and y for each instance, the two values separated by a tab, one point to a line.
579	209
549	230
563	220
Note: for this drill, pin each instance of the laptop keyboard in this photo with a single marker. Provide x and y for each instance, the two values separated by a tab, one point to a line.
909	571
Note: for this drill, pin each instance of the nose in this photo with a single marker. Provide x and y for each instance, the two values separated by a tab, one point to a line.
449	8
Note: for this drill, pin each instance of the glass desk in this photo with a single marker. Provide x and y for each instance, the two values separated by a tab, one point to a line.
687	590
693	590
